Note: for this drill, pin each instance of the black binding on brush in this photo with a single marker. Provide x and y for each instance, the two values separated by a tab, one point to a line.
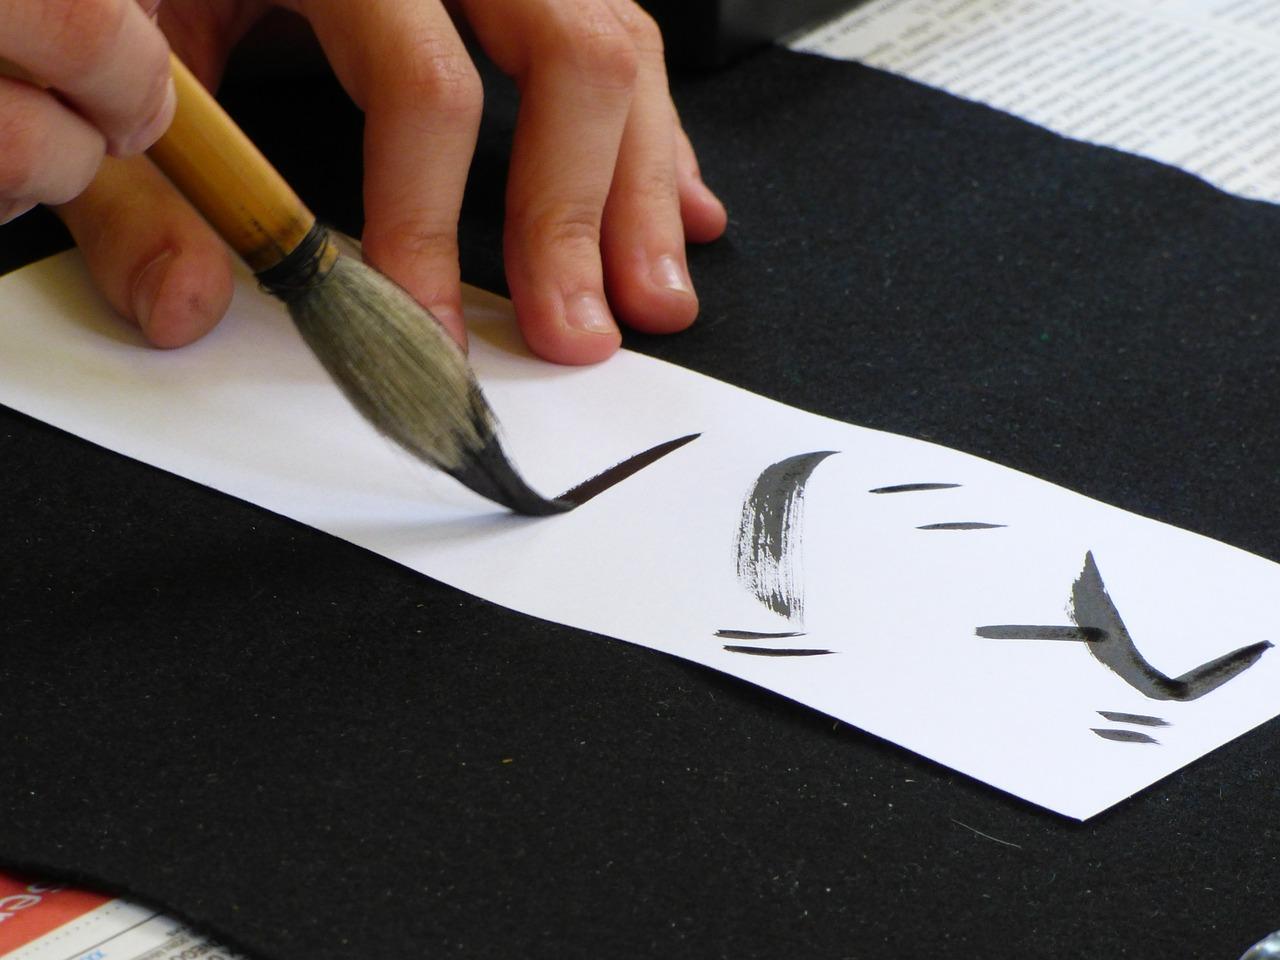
299	271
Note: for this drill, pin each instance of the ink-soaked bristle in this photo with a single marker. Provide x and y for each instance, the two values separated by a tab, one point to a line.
489	473
401	370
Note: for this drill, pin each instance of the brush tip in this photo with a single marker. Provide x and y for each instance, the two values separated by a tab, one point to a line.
402	372
488	472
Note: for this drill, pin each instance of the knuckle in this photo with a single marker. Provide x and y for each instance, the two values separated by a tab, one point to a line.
33	165
643	29
418	242
564	226
442	76
598	46
82	32
654	190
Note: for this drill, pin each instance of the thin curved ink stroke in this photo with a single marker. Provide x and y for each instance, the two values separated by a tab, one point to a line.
913	487
1139	718
1091	608
963	525
758	635
592	488
770	533
1027	631
776	651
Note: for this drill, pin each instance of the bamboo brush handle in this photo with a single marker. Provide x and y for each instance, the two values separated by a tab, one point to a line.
228	179
223	174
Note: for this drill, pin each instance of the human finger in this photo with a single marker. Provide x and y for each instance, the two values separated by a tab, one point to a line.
104	57
643	236
576	66
203	33
701	211
407	68
153	257
48	154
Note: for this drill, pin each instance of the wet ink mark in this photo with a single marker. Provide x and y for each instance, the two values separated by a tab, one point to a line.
1023	631
962	525
1123	736
914	487
1091	607
775	651
755	635
1140	719
769	533
590	489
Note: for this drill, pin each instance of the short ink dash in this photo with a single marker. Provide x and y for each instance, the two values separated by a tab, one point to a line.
914	487
755	635
590	489
962	525
1123	736
775	651
1026	631
1141	719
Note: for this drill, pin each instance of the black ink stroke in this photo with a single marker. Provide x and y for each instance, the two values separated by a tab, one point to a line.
756	635
775	651
770	532
1091	607
914	487
962	525
1140	719
1025	631
590	489
1123	736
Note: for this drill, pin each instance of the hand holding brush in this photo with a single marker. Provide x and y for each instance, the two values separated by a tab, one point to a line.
593	230
390	357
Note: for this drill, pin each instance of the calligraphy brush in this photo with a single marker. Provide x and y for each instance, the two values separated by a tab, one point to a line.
391	358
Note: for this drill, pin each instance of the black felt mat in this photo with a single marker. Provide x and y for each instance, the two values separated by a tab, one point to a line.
318	754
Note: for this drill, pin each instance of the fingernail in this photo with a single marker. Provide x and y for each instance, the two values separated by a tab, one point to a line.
587	312
155	127
146	288
669	273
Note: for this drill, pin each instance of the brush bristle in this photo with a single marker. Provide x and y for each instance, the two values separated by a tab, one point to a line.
395	364
400	369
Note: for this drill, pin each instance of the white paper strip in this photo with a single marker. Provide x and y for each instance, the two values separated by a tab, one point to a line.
655	560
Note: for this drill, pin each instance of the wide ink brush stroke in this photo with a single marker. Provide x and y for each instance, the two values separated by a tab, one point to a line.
770	533
1091	607
589	489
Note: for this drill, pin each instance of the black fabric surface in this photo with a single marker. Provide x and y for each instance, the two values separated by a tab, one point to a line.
315	753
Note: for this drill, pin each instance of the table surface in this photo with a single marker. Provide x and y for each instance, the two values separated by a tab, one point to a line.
315	753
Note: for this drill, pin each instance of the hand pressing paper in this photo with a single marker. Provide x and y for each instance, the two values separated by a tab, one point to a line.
1057	648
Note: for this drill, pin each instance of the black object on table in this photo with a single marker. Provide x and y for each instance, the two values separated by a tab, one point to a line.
315	753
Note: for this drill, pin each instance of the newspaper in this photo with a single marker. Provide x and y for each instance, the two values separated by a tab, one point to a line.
49	921
1190	83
